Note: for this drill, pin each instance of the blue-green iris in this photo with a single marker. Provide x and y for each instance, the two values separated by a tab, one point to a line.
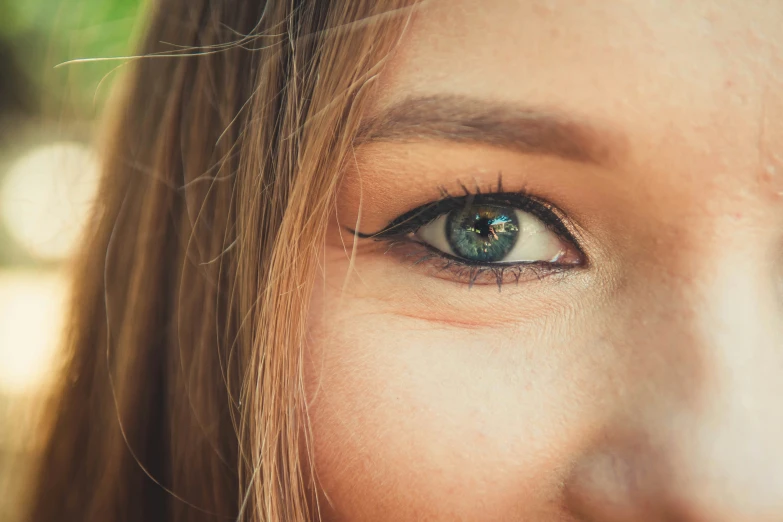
483	233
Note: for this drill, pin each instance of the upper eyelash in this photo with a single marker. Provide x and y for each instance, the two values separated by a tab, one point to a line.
413	220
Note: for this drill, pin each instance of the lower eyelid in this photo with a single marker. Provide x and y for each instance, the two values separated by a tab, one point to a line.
426	259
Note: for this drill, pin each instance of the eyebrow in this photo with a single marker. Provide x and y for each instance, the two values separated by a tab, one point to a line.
464	119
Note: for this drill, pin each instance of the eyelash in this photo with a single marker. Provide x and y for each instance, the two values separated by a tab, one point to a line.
398	233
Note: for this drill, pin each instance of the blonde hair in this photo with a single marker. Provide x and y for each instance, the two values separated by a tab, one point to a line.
183	395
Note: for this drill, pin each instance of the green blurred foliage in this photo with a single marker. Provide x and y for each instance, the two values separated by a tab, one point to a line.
47	33
43	101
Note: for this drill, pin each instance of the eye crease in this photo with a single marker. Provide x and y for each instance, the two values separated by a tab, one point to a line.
492	237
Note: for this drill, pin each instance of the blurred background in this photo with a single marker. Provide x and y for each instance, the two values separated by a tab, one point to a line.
49	115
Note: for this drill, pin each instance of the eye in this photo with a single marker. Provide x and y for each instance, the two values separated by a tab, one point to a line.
484	238
495	234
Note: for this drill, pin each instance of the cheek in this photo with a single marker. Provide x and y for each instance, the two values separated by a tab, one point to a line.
418	421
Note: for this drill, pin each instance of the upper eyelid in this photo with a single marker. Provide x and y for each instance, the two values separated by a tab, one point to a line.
550	214
403	219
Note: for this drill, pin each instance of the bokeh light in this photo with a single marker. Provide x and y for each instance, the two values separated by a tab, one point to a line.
46	197
48	178
31	319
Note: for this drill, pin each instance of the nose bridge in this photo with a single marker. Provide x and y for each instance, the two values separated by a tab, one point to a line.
722	321
710	323
722	449
725	447
702	437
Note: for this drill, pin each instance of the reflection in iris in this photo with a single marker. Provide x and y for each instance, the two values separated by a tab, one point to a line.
485	233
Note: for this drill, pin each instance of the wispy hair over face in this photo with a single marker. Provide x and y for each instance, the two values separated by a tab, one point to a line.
182	397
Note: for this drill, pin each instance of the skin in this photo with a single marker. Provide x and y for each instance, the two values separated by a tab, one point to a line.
645	385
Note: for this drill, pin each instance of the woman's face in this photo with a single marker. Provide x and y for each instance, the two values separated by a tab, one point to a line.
571	303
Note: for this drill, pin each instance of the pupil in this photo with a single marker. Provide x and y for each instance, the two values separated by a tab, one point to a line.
483	227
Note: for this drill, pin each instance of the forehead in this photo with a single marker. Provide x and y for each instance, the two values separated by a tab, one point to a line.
697	81
531	47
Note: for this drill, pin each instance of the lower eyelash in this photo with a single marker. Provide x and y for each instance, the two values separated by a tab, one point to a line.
420	254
